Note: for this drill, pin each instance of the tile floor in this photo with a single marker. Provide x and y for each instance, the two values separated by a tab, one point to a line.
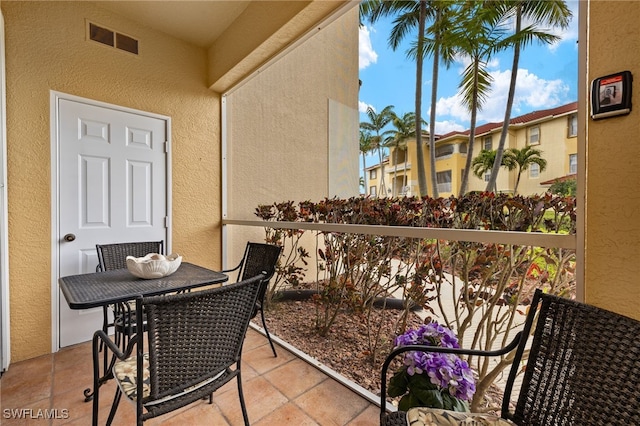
278	391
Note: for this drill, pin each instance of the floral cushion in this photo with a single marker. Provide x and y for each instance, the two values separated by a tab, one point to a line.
125	373
422	416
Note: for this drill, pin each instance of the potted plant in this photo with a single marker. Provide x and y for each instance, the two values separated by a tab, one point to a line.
429	379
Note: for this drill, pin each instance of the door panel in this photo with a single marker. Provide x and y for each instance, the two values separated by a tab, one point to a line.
112	189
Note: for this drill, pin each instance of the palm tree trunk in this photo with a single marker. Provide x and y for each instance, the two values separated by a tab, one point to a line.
404	179
515	188
472	132
422	176
383	188
395	171
432	117
364	173
492	184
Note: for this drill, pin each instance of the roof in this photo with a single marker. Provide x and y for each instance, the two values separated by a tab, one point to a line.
522	119
559	179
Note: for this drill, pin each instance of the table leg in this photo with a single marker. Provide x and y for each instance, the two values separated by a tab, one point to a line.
107	372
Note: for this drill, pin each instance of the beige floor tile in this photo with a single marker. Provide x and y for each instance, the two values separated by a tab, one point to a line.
261	398
288	414
370	416
280	391
338	407
27	414
197	414
20	388
262	360
295	378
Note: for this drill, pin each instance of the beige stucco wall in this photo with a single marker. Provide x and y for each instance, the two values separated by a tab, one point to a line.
46	50
277	143
612	245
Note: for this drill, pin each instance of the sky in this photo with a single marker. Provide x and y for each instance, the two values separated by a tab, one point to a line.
547	78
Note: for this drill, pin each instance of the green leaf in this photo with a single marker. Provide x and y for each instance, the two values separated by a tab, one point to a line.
428	398
453	403
408	401
421	381
398	384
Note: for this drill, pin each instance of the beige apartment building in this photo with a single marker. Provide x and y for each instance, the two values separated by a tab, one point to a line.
553	131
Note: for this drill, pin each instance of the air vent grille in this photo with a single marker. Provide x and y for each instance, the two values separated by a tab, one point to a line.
111	38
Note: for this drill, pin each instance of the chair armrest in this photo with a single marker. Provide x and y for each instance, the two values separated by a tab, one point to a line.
102	336
426	348
225	271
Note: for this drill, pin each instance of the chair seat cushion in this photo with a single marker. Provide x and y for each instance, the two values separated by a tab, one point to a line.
422	416
125	373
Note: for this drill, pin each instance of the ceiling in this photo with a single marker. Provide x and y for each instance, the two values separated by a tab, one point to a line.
197	22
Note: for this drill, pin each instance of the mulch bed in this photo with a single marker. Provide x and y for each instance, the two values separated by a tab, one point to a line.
347	349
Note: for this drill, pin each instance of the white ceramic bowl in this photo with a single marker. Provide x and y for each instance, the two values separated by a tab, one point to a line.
153	265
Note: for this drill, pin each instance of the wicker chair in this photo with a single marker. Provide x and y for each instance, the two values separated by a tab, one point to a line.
194	343
114	256
259	258
583	368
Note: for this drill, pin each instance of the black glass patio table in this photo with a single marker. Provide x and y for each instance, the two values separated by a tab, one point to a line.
118	286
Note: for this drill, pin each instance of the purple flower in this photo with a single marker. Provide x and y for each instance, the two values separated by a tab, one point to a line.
447	371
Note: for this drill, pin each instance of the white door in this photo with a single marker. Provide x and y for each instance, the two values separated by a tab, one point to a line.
112	188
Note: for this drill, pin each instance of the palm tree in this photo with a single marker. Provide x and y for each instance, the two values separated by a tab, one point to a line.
438	51
365	147
376	124
409	15
522	159
404	130
483	163
477	34
553	13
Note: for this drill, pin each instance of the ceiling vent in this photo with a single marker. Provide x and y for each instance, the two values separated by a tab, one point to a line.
111	38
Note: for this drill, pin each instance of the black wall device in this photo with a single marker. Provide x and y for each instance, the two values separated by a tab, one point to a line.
611	95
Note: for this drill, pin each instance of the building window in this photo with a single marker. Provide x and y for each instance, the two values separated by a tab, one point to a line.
487	143
463	148
373	174
534	171
534	135
573	125
487	176
573	164
373	191
444	151
444	181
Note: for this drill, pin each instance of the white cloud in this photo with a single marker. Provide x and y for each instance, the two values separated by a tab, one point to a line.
367	55
446	126
531	90
569	34
464	61
363	106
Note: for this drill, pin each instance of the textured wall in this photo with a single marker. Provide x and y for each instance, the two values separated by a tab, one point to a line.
47	50
612	245
278	141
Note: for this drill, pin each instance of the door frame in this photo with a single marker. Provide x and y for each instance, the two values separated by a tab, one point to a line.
5	320
56	235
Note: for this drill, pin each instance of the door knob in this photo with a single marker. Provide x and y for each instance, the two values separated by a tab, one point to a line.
69	237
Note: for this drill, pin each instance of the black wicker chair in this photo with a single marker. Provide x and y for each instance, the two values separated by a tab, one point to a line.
259	258
194	345
583	367
114	256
